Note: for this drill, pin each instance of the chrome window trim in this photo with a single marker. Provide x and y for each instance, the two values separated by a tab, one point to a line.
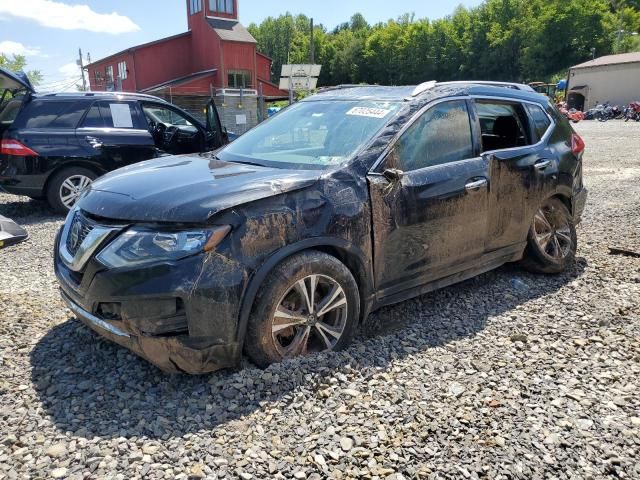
408	125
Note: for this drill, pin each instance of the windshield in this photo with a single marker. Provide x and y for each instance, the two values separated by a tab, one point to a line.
311	135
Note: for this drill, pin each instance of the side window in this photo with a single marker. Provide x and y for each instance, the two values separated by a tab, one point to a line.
121	115
503	125
93	118
53	114
157	114
540	120
441	135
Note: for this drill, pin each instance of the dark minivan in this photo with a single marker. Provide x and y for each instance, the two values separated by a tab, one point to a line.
282	242
54	145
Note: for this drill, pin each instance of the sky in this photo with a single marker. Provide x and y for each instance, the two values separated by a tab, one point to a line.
49	32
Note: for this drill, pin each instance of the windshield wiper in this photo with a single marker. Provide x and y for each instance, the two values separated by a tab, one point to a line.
255	164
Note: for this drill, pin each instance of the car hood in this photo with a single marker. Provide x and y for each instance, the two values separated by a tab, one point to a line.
187	189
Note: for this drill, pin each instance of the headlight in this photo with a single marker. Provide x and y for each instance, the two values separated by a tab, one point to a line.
140	246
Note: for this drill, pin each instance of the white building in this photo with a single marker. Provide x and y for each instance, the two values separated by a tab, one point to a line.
613	78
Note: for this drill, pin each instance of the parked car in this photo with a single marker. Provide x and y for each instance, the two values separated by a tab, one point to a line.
53	146
282	242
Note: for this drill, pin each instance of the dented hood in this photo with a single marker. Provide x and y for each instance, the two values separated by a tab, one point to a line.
186	189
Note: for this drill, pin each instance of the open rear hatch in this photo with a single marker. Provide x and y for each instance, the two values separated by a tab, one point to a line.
14	87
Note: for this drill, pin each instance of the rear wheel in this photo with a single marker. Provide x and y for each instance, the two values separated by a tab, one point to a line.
66	186
552	241
309	303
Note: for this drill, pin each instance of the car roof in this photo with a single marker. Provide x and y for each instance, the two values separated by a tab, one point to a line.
433	90
90	96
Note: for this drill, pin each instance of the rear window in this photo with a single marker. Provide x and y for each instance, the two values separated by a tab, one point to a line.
503	125
51	114
541	121
113	115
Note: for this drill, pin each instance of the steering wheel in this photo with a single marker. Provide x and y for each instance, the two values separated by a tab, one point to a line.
170	135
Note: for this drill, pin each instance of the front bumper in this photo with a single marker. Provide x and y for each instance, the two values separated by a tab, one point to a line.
180	316
170	354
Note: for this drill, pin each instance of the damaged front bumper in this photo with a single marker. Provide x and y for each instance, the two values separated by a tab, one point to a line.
179	354
181	316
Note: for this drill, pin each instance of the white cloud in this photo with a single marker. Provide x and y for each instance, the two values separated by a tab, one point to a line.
49	13
9	47
70	70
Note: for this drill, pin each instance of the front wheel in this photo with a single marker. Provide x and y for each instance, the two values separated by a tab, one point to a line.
309	303
552	240
66	186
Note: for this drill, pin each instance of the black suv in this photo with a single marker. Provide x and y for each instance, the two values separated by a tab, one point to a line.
282	242
53	146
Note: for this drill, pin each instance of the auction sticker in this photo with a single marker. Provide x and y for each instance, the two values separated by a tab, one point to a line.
368	112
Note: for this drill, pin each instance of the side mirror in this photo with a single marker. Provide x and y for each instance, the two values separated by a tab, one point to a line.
393	174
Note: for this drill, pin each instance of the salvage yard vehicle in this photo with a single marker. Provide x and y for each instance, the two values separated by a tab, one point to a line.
54	145
282	242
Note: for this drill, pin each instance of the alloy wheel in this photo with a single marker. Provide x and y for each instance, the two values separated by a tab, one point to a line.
552	232
71	189
310	317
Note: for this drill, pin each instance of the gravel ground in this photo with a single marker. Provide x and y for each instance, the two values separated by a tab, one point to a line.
509	375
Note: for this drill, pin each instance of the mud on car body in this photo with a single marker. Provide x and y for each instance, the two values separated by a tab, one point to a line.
279	244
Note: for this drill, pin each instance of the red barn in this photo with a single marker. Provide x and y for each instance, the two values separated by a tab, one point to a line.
216	57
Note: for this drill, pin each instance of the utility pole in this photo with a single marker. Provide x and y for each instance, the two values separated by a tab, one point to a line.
81	64
312	56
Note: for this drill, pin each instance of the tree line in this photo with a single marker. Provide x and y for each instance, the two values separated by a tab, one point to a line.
507	40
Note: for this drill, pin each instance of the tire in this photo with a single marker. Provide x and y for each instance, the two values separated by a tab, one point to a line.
552	240
61	183
272	338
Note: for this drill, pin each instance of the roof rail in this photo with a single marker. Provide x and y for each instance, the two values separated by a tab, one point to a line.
489	83
344	86
99	94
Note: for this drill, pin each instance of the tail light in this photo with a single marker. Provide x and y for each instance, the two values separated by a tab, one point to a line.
577	144
14	147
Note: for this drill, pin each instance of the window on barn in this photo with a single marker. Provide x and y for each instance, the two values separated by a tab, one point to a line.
239	78
221	6
99	77
195	6
122	70
109	74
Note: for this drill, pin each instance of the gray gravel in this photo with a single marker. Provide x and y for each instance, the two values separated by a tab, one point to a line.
509	375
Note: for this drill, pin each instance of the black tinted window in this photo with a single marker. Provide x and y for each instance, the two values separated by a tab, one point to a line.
53	114
441	135
541	122
93	118
502	125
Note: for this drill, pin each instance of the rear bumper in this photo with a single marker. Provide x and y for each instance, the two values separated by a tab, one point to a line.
579	202
180	354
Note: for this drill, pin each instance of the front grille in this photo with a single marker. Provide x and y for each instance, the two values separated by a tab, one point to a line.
79	230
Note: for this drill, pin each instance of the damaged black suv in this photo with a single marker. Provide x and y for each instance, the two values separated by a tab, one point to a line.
282	242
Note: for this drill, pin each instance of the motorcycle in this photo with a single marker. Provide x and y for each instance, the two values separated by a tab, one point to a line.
632	112
572	114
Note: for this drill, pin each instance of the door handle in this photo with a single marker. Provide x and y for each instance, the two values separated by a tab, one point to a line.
476	184
94	142
541	164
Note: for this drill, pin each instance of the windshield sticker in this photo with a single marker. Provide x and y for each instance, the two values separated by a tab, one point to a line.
368	112
121	114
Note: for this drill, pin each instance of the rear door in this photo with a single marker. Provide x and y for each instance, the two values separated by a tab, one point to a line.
114	134
524	170
431	220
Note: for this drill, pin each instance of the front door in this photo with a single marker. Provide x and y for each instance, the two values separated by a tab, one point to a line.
430	205
113	135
